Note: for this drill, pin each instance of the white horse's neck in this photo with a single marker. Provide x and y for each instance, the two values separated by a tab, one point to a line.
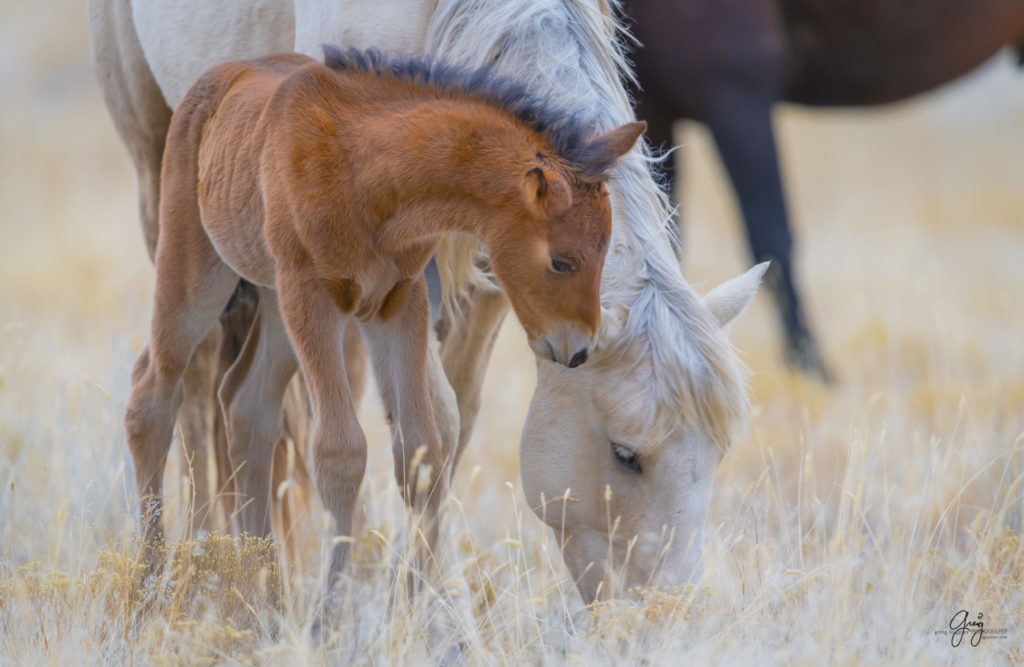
395	27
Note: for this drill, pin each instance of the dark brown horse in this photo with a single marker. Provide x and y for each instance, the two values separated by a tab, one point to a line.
726	63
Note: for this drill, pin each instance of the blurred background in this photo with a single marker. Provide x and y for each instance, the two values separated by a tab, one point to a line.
910	228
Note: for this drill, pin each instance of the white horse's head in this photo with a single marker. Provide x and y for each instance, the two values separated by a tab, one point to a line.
617	456
622	469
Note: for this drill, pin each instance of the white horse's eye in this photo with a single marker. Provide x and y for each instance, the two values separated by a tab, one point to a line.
626	458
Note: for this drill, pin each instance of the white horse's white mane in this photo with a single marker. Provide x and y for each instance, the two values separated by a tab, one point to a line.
571	50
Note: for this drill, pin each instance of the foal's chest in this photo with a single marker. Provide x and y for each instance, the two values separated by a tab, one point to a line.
380	286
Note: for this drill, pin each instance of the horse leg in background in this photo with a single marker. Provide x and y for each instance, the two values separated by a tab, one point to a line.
196	419
467	341
136	105
252	395
355	363
399	352
235	322
741	124
443	397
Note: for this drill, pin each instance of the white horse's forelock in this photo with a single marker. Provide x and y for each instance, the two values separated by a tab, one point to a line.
571	50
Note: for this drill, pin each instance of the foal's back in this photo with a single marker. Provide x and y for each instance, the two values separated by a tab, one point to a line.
269	132
212	159
286	137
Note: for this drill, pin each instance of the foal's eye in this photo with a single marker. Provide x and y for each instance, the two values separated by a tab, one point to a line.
559	265
626	458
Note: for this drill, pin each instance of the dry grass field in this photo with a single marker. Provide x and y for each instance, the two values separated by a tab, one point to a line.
849	525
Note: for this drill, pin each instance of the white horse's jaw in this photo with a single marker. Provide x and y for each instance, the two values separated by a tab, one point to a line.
566	447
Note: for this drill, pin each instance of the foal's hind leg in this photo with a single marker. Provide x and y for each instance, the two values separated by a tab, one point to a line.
192	287
251	395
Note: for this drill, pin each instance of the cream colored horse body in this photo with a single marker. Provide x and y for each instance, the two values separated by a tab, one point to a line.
181	40
664	385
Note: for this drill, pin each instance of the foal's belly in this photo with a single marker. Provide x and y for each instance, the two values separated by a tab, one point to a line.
237	235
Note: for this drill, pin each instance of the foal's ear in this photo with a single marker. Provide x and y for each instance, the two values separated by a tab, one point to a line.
546	193
603	150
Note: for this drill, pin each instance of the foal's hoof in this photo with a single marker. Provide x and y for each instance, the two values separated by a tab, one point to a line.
320	633
153	558
316	633
454	654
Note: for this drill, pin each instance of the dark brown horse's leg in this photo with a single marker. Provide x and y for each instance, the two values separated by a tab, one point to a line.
313	321
741	123
399	352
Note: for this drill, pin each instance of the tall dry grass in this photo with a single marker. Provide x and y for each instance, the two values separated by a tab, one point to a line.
848	526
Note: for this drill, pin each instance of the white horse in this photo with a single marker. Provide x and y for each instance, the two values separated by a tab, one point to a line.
637	432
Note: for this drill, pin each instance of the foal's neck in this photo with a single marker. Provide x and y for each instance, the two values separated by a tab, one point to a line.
444	166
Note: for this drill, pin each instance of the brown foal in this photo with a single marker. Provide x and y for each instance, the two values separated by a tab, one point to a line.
329	186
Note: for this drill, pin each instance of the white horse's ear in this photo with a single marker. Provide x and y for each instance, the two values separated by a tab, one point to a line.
732	297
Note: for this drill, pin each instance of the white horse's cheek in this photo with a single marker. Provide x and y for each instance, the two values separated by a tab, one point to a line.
683	561
549	455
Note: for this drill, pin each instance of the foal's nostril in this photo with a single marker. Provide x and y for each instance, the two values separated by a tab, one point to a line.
578	359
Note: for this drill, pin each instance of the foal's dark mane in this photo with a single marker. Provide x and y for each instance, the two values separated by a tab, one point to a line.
566	131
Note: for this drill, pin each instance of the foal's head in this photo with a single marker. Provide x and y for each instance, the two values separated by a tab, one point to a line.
549	254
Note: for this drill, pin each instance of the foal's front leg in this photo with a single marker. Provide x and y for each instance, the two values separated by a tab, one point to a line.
398	347
315	326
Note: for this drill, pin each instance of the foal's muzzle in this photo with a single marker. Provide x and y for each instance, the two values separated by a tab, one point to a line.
569	346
